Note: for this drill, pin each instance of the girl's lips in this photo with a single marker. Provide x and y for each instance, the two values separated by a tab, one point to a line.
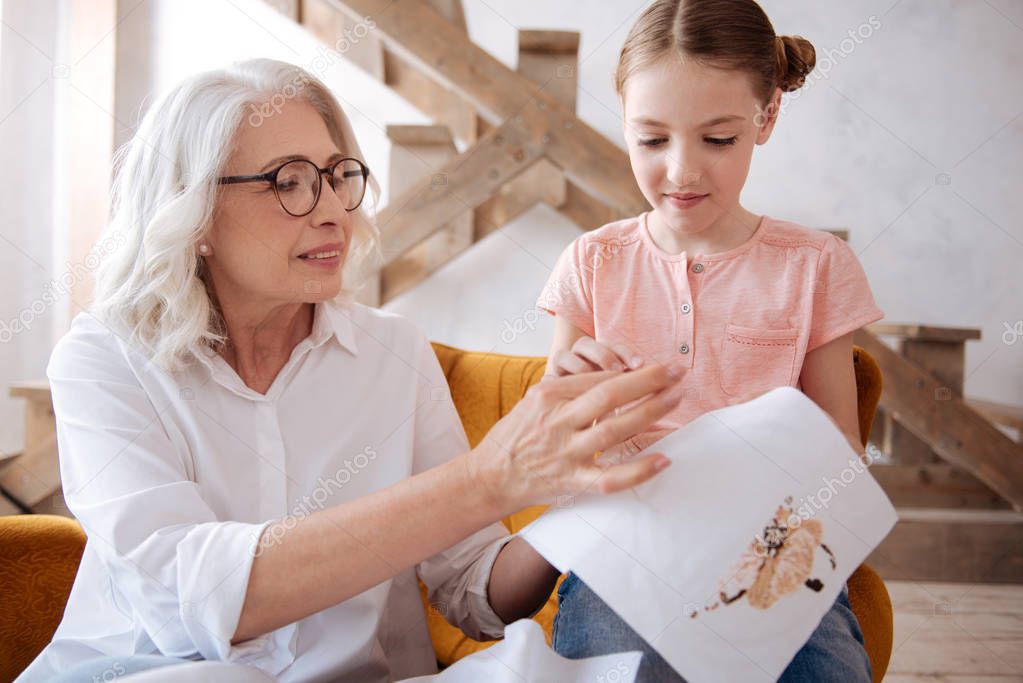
687	203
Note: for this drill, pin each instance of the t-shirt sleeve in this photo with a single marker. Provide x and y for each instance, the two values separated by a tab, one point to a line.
842	300
568	293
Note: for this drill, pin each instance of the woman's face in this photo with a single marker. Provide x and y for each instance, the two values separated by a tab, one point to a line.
690	130
259	252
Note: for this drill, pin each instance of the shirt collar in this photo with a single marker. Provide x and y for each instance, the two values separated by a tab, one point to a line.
334	319
330	319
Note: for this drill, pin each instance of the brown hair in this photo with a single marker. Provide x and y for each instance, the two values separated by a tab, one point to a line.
727	34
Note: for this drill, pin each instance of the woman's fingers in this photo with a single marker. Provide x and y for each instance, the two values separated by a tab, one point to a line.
625	424
603	397
624	476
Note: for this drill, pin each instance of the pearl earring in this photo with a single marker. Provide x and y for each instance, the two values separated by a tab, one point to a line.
204	249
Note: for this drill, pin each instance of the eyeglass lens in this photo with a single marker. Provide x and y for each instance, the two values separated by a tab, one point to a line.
298	185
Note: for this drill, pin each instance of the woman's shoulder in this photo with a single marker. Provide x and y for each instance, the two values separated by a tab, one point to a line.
92	350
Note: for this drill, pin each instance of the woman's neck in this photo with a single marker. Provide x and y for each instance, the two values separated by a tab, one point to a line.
260	339
730	231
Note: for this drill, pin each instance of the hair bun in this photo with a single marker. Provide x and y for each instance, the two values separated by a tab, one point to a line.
796	59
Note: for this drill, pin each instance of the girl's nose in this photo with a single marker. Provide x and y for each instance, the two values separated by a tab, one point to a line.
679	176
680	171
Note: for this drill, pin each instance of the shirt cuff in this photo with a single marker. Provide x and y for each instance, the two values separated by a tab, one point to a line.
487	623
581	321
213	593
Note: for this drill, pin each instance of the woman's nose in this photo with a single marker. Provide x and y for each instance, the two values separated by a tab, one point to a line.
330	207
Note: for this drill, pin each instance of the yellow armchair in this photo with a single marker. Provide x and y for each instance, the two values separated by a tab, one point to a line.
485	387
39	554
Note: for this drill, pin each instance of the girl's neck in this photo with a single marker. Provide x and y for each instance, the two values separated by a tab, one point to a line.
731	230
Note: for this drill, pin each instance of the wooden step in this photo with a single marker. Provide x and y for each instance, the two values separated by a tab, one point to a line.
1001	414
953	545
936	485
931	333
940	418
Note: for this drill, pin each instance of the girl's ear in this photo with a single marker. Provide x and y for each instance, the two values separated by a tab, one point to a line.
767	116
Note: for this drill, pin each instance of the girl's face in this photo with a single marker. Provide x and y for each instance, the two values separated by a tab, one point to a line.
690	131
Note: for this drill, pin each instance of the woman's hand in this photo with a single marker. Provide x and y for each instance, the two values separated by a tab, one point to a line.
544	448
588	355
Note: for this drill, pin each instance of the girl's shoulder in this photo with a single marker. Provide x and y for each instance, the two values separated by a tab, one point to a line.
612	235
788	234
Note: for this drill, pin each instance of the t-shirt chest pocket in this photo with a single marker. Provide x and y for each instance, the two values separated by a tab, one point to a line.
755	360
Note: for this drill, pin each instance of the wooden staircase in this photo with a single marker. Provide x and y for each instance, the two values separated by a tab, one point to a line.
956	479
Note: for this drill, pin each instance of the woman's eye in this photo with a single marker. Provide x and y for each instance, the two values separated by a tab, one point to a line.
721	142
652	142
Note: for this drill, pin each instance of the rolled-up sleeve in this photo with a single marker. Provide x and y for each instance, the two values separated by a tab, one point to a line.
456	579
130	481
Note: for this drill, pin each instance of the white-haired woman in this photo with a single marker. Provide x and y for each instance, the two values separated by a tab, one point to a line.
263	468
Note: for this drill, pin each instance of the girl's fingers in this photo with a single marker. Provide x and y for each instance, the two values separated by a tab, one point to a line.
621	389
633	360
598	354
569	363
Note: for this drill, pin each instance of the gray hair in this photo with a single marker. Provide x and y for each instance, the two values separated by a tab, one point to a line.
152	290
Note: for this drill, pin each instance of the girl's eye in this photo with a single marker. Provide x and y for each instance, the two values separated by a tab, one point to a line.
652	142
721	142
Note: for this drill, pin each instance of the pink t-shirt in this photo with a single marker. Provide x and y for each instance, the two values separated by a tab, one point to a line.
740	322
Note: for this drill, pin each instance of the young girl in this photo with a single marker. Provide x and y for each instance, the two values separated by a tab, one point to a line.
742	302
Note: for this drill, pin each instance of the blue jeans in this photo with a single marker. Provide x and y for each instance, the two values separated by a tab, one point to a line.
109	669
586	627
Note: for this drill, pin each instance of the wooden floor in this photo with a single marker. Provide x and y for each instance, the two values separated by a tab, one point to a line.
956	633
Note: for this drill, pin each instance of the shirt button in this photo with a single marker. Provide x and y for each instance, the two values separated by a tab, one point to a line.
686	308
684	348
697	267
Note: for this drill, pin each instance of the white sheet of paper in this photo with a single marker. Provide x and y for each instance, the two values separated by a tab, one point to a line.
661	554
524	657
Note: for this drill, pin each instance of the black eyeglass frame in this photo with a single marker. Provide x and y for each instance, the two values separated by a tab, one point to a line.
271	177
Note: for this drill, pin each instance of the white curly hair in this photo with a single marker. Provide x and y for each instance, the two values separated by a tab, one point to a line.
152	290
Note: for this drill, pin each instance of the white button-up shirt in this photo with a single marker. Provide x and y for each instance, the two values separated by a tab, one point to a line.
175	477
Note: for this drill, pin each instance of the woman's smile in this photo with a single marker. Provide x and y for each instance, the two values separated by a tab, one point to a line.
325	256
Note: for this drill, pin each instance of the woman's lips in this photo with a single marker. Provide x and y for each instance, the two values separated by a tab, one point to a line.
327	258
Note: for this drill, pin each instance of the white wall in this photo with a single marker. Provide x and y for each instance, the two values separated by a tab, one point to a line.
28	54
910	137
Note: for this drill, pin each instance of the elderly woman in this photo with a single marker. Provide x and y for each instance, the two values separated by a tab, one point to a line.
264	468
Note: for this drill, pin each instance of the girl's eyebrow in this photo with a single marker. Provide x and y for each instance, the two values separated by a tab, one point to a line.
722	119
713	122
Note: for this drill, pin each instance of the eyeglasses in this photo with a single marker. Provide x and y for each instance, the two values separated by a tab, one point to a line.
298	183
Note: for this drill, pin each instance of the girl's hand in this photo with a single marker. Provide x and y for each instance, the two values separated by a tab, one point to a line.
544	448
589	355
